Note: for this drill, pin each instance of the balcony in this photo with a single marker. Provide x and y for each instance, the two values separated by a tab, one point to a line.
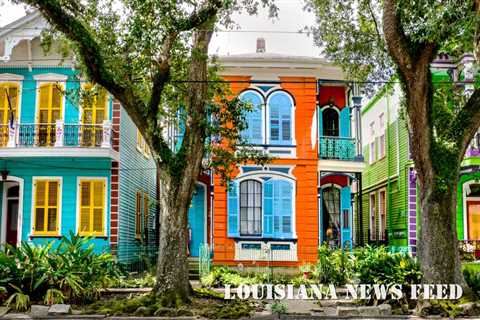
43	138
337	148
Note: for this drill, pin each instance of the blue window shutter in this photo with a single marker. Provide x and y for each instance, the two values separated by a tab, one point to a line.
282	208
232	208
345	122
346	226
180	132
254	118
268	209
280	118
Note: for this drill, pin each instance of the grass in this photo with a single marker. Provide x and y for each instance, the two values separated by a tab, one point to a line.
471	266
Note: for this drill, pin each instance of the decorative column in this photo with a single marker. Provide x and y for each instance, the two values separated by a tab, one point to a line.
12	133
357	105
59	133
107	134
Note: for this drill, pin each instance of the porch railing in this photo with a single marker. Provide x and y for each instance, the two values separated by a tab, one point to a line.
56	134
337	148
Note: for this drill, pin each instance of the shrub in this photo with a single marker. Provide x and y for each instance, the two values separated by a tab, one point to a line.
473	279
71	271
377	265
334	266
279	308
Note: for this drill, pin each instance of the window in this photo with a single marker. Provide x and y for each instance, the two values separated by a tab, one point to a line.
138	215
330	122
46	206
372	143
382	215
94	112
250	208
373	229
92	207
382	141
262	208
8	109
254	132
142	145
280	107
49	111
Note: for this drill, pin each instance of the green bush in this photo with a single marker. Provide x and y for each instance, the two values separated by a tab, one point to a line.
472	277
377	265
69	272
334	266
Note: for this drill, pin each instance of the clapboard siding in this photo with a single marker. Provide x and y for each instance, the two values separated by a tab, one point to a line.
136	173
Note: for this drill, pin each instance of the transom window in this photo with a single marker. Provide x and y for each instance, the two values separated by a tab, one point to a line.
250	207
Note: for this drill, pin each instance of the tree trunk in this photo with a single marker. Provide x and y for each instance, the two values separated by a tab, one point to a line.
438	243
173	285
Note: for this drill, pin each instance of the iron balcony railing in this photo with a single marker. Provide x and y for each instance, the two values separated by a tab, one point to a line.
56	134
337	148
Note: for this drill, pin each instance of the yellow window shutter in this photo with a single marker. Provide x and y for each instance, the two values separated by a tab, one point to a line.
137	215
100	105
84	207
40	206
56	102
98	206
44	104
53	194
3	104
46	205
145	210
13	96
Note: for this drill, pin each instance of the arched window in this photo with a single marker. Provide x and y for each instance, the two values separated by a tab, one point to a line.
330	122
251	208
280	106
254	132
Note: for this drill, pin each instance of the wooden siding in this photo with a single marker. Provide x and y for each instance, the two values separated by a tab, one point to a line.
136	173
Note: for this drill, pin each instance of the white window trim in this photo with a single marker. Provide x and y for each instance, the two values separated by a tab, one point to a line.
256	175
106	205
32	211
50	77
3	227
80	105
292	116
11	77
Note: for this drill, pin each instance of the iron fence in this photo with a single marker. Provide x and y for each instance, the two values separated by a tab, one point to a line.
337	148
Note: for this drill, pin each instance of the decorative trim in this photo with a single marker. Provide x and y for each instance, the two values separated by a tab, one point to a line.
50	77
64	152
11	77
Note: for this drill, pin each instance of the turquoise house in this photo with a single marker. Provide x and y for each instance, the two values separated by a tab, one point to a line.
66	164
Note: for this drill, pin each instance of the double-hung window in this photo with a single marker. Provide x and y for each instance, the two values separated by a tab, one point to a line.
382	139
46	207
251	208
373	218
371	150
382	215
94	112
92	207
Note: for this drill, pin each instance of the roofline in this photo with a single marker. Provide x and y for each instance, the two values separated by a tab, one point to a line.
5	30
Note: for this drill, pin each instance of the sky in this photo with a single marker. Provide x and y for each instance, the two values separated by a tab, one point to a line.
291	19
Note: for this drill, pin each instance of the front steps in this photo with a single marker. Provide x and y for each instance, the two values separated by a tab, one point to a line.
193	273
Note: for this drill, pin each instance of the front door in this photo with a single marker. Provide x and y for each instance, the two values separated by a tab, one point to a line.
196	220
12	214
473	220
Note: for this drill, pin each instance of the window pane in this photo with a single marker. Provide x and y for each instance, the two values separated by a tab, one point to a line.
85	219
250	207
52	219
40	193
52	193
39	219
98	220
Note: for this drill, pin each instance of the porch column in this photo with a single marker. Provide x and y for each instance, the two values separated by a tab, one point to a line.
58	133
107	134
357	104
12	133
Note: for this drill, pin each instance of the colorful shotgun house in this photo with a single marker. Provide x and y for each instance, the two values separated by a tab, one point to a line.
67	165
390	194
279	214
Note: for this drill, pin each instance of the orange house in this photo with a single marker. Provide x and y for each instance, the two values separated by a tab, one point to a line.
279	214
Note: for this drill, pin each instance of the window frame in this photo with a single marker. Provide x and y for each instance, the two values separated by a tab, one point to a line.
263	108
244	234
58	230
104	232
372	213
382	215
372	154
258	175
382	137
267	123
